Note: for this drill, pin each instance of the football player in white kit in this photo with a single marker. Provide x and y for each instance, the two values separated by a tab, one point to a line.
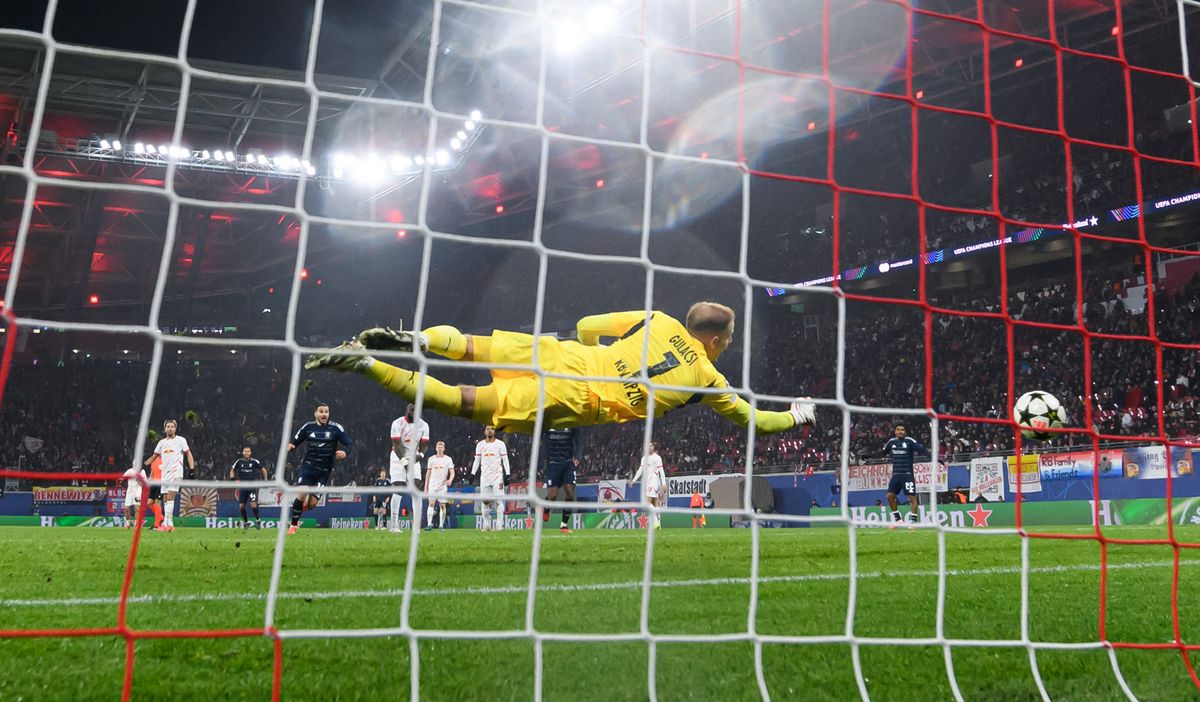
656	481
410	438
439	475
171	449
491	464
133	498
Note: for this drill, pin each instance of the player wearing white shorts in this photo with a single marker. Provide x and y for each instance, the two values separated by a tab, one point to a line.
133	498
439	475
171	449
410	438
491	464
656	481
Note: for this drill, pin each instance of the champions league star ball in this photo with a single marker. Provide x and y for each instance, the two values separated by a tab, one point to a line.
1037	411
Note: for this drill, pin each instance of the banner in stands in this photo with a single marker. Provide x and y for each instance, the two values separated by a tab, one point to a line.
521	506
197	502
611	491
1077	465
1150	462
987	479
869	477
876	476
1028	477
65	493
685	485
345	496
114	501
274	497
923	472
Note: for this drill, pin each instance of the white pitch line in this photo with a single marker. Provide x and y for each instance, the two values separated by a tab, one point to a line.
587	587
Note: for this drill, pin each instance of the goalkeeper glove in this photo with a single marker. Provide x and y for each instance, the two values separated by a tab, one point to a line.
803	412
507	478
191	474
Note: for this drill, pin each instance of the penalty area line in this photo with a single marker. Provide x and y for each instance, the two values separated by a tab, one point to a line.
584	587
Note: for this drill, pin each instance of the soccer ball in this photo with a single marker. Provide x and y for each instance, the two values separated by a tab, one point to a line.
1036	411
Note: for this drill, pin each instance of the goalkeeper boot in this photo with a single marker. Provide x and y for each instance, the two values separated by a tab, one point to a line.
388	339
340	358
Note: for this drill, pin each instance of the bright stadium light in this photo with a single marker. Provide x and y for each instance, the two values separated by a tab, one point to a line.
476	115
250	158
469	125
602	18
105	145
455	144
442	158
461	135
184	153
406	162
567	39
420	160
219	155
205	155
116	145
262	159
139	148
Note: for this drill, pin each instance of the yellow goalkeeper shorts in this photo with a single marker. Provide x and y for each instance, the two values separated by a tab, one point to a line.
568	403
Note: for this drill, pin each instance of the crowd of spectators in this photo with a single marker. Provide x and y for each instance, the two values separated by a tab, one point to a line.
83	416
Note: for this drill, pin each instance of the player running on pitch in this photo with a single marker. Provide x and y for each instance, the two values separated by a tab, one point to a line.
678	354
323	437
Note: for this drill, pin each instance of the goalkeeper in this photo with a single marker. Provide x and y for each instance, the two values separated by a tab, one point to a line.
679	355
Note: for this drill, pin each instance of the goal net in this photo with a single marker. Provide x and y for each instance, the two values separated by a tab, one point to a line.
917	211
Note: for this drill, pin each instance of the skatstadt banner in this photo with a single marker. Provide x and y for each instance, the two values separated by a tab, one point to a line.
685	485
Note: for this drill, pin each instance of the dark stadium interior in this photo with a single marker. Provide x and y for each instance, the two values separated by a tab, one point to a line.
95	255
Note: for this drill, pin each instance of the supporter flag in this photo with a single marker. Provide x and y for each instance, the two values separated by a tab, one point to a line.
987	479
1027	475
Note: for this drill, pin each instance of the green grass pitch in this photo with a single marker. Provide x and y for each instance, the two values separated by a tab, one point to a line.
590	583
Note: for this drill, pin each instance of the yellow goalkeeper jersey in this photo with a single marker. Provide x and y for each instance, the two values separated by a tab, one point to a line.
674	358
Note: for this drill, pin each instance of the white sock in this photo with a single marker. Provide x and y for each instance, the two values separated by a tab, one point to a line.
429	515
395	523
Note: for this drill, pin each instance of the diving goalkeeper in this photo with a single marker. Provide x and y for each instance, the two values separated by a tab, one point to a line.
680	355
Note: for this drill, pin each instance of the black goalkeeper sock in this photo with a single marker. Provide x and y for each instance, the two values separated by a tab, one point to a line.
896	516
297	508
566	513
243	513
